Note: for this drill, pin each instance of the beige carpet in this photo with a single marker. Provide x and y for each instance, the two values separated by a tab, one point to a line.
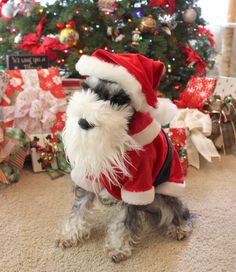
32	210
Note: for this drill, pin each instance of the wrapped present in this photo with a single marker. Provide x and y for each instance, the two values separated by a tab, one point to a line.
59	124
198	128
32	100
196	92
62	163
14	147
226	86
223	114
4	78
47	154
70	86
178	138
43	152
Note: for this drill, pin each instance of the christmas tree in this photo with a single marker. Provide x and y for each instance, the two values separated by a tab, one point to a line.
172	31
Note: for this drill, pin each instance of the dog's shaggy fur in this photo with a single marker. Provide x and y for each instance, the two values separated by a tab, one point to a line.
101	113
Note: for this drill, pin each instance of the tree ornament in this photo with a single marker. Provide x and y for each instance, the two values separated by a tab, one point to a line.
115	34
136	37
69	36
107	5
170	4
7	10
18	38
148	25
189	15
25	7
168	23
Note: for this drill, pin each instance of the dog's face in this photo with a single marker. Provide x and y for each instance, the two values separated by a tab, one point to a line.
96	132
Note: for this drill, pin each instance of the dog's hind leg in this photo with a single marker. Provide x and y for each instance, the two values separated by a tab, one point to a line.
122	233
173	217
78	224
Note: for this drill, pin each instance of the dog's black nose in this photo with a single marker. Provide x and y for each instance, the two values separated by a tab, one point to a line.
84	124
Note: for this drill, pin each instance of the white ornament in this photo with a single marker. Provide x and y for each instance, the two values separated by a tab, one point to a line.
18	38
190	15
7	11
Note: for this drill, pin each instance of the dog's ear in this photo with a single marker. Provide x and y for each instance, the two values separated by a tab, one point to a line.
120	98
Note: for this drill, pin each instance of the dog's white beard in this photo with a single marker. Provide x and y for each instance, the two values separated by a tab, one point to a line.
100	150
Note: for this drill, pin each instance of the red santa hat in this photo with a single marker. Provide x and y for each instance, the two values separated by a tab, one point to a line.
137	75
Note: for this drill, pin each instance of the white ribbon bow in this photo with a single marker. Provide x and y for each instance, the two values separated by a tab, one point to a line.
35	111
197	125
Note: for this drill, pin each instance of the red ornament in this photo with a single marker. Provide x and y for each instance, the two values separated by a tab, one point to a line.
203	31
162	4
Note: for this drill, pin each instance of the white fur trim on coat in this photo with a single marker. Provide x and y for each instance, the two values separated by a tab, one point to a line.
147	135
85	184
170	188
138	198
92	66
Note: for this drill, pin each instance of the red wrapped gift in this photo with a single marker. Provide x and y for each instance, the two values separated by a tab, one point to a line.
196	92
178	138
70	85
32	99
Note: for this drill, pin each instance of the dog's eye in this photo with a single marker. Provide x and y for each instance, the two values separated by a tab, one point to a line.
120	99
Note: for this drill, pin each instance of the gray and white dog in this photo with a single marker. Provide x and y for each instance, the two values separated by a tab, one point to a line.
97	142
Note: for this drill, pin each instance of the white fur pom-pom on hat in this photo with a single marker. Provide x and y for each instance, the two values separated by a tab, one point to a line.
137	75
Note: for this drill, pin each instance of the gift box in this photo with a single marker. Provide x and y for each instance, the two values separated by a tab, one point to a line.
196	92
32	99
223	115
3	85
226	86
42	152
47	154
178	139
198	128
70	85
14	147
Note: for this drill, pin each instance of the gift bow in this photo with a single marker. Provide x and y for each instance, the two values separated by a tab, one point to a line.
162	4
225	109
194	58
35	110
31	42
203	31
198	127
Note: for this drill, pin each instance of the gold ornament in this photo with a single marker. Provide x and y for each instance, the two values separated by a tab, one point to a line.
148	25
69	36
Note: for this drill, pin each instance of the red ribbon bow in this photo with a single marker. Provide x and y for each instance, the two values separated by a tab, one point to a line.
193	57
162	4
31	42
203	31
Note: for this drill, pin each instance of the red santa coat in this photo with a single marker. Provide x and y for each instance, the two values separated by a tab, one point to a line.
146	164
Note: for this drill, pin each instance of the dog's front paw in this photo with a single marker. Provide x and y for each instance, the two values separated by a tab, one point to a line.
66	243
179	232
118	257
72	240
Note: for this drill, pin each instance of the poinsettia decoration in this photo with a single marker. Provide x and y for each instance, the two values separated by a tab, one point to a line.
194	58
162	4
32	43
203	31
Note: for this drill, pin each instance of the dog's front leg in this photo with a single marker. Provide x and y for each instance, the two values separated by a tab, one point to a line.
122	233
78	224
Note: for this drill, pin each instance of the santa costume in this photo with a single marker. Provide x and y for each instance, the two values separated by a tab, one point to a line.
155	169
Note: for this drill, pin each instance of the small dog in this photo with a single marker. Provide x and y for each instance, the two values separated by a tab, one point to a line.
104	146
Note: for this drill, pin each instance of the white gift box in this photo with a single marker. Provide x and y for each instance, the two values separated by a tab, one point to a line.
226	86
